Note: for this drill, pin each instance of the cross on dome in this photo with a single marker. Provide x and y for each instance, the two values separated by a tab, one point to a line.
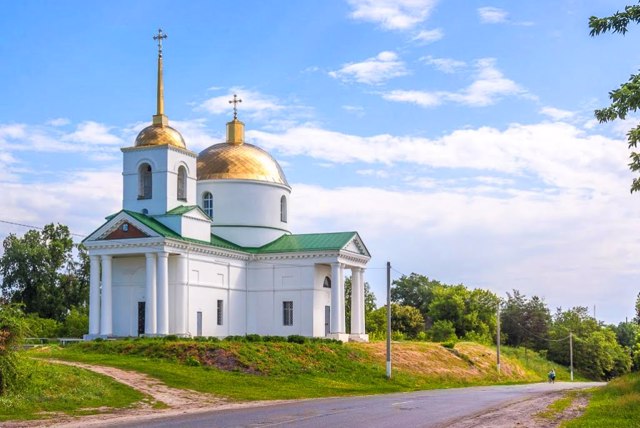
235	102
159	38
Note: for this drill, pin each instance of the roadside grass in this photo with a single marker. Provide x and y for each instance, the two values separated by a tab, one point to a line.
559	406
539	366
617	405
52	389
241	370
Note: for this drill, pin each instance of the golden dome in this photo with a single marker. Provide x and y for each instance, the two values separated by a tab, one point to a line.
239	162
159	135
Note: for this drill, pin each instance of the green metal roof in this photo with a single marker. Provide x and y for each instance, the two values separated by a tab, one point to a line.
285	244
182	209
307	242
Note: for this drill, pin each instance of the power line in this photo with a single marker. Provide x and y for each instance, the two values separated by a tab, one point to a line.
34	227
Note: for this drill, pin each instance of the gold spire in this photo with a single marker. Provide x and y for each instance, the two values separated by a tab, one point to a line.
235	128
159	119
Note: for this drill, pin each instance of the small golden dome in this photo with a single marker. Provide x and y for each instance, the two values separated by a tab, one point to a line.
159	135
239	162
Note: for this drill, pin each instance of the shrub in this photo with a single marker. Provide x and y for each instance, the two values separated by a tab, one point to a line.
41	327
12	329
76	324
171	338
254	338
443	331
192	361
295	338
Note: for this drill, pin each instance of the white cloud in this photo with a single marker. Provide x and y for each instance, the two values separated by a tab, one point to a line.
355	110
378	69
392	14
556	113
446	65
428	36
61	121
492	15
254	104
379	173
488	87
93	133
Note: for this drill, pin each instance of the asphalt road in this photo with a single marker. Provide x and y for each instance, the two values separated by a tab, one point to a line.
435	408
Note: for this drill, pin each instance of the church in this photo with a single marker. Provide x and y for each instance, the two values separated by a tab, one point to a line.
202	246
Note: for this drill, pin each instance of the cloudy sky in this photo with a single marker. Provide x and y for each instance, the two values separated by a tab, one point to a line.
457	137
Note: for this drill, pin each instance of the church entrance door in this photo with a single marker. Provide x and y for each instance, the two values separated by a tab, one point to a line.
327	318
141	312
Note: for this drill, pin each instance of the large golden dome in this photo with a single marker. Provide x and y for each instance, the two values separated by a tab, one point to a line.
159	135
239	162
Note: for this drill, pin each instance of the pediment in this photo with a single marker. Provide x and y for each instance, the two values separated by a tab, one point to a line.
126	230
122	226
355	245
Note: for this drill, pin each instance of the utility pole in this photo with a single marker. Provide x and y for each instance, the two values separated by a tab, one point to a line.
388	320
498	339
571	353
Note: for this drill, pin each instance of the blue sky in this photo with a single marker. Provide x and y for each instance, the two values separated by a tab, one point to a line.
456	136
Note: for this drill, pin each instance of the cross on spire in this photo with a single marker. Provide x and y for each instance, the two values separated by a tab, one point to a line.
159	38
235	101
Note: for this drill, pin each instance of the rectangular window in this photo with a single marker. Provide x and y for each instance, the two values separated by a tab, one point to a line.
287	313
220	311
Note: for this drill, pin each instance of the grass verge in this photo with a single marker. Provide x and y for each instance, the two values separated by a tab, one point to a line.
617	405
283	370
51	389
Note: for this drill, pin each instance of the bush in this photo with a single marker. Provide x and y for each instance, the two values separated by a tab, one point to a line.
41	327
12	329
171	338
76	324
295	338
443	331
254	338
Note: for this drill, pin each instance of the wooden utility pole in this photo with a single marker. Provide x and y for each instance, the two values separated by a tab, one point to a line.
498	339
571	353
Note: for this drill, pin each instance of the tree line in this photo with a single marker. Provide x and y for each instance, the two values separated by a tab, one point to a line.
426	309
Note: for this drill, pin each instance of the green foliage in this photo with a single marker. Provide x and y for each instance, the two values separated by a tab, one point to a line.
76	323
42	327
626	98
525	322
406	321
414	290
627	334
12	330
295	338
443	331
39	271
636	319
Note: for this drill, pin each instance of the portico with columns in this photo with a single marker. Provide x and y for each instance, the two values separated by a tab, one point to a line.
202	246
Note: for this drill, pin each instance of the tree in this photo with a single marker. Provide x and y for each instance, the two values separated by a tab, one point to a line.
637	317
525	321
414	290
626	98
12	329
404	319
369	301
40	272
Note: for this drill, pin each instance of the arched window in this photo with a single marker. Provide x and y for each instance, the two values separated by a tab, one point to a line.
207	203
144	181
327	282
182	183
283	209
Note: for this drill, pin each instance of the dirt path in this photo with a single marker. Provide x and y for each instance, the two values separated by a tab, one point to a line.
179	401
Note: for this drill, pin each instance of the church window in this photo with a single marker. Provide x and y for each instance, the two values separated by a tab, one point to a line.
287	313
283	209
327	282
182	183
207	203
220	311
144	181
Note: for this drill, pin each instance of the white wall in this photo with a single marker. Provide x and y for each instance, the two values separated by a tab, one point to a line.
128	279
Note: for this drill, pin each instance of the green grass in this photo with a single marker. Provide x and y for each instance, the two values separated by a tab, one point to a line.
51	389
617	405
536	364
557	407
263	370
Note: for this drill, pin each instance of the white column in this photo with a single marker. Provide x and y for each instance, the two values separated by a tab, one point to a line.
181	296
150	313
106	310
163	293
356	301
94	295
341	303
363	328
335	299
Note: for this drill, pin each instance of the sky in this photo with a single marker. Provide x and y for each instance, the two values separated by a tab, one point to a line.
457	137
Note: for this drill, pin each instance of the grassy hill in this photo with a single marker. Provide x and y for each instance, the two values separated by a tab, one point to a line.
258	370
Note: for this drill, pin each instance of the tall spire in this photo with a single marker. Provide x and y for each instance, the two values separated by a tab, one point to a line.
159	119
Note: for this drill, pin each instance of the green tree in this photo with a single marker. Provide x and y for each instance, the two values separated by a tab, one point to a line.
636	319
626	98
627	333
442	331
414	290
40	271
369	302
404	319
12	329
525	321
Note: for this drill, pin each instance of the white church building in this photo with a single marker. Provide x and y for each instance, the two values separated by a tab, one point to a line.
202	247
